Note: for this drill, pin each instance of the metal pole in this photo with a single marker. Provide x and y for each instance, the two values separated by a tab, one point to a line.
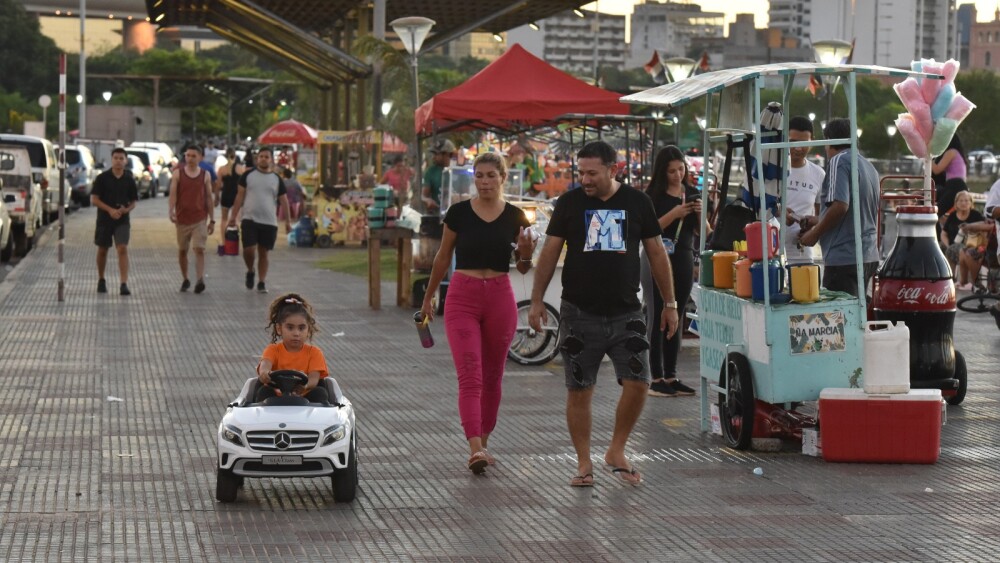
378	30
852	113
62	174
156	106
417	164
83	72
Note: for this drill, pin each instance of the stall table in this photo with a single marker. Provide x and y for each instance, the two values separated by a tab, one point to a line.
404	263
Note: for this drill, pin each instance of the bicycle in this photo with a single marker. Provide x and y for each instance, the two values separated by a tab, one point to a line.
985	296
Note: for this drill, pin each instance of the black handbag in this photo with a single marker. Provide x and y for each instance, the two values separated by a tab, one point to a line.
729	222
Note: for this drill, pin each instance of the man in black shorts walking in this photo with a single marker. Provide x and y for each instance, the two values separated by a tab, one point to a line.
114	195
259	193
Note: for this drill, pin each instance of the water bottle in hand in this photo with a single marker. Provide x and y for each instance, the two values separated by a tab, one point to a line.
423	329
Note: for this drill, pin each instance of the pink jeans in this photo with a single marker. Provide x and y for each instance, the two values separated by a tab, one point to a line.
480	316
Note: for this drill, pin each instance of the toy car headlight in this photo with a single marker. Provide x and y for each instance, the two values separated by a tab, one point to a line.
232	434
334	433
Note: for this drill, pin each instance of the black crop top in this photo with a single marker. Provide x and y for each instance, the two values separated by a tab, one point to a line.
479	244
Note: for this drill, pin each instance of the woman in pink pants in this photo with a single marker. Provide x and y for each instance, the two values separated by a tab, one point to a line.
480	314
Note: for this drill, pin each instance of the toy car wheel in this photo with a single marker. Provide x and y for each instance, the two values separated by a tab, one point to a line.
737	405
227	484
345	481
530	347
962	375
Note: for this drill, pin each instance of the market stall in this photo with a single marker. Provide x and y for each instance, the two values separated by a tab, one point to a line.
291	134
765	352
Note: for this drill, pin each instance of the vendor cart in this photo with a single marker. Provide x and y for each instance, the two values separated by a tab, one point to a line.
764	357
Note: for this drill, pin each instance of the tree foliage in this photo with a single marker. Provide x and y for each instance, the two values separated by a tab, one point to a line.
29	61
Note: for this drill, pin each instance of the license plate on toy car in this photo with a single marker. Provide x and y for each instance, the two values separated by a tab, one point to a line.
281	460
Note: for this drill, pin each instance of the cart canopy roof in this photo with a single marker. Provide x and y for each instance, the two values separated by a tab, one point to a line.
517	91
681	92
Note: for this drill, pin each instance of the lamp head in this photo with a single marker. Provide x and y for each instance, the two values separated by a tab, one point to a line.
679	68
412	31
831	51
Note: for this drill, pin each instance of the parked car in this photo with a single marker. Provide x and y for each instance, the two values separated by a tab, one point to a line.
80	171
22	197
153	161
163	148
168	160
44	170
143	179
982	163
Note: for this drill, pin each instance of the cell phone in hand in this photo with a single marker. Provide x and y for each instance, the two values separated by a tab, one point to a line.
694	198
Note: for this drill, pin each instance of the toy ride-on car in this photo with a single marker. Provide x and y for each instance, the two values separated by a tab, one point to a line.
288	436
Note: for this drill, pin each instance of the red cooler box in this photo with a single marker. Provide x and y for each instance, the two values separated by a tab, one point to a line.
894	428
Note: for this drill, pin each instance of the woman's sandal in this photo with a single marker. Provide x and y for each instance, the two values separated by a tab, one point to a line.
478	462
489	457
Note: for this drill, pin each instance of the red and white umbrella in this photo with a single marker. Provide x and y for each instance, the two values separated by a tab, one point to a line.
288	132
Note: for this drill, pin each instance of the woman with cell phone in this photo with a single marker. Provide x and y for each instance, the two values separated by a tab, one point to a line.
678	209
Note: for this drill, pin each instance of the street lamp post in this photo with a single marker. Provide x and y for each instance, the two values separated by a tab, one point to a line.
891	131
412	31
831	52
678	68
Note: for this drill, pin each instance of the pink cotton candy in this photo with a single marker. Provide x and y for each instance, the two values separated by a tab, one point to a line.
950	70
930	87
909	93
960	108
922	119
908	130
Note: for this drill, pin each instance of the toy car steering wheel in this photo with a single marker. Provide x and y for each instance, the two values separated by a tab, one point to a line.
286	380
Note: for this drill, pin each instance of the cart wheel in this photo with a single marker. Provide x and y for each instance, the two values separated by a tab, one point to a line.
962	375
530	347
323	241
736	407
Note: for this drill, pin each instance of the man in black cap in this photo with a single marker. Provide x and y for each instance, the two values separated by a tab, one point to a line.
442	150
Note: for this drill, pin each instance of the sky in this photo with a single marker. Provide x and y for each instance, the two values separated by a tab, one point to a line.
985	8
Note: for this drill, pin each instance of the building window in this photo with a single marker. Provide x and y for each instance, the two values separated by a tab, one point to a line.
988	57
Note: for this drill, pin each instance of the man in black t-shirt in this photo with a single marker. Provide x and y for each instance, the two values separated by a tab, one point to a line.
114	195
603	224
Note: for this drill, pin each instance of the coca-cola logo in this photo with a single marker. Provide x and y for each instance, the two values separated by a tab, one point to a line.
916	295
913	294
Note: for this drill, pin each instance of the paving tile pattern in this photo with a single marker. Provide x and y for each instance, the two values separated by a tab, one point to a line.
109	407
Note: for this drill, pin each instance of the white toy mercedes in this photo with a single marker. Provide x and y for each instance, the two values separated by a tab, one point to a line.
287	436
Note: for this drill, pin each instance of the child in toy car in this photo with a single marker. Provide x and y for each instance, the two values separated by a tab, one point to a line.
292	324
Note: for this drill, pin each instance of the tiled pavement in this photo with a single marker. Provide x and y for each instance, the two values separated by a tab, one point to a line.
87	477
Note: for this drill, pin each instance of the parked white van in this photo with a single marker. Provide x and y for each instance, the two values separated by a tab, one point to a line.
44	170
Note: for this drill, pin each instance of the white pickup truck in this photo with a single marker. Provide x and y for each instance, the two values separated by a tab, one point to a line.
21	195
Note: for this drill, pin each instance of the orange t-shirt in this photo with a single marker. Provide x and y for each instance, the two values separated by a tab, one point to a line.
309	358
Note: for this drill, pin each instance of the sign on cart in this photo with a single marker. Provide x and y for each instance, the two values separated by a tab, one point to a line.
818	332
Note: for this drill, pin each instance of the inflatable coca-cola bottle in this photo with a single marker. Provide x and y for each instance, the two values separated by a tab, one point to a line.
914	285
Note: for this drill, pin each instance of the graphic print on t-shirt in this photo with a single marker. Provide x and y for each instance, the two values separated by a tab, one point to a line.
605	230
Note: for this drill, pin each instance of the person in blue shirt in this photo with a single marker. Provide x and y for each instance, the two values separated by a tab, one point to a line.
834	228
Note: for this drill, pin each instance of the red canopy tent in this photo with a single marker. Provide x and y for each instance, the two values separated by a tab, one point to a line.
288	132
515	92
